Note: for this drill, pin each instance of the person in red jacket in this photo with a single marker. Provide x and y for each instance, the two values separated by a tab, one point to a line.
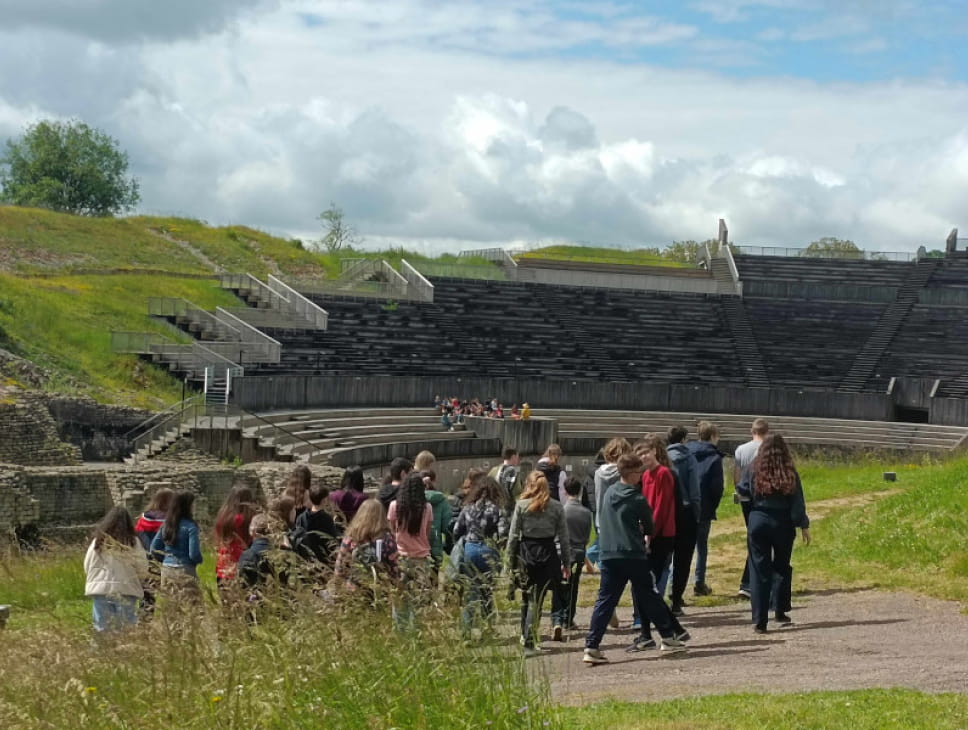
659	490
232	532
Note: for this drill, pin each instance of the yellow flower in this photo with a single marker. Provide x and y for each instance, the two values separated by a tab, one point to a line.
216	698
90	690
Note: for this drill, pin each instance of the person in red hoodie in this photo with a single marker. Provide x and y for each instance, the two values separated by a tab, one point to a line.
232	532
145	528
659	490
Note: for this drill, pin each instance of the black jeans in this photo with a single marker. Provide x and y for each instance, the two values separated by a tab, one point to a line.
744	582
615	575
660	548
770	539
539	578
564	601
685	548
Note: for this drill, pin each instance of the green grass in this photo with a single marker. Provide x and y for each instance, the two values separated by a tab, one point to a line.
64	325
858	710
594	254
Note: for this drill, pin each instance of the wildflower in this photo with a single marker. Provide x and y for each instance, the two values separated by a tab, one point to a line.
216	698
90	690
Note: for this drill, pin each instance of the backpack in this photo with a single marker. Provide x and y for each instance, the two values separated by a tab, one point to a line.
507	477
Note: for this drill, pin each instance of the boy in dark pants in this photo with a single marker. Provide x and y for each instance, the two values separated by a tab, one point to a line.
624	520
579	521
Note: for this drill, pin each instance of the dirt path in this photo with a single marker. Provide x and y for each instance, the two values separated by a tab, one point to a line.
839	640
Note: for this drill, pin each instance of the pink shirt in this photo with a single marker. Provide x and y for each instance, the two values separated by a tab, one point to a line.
411	546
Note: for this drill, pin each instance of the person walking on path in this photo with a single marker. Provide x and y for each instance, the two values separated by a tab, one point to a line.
745	453
625	519
688	513
710	461
777	508
538	522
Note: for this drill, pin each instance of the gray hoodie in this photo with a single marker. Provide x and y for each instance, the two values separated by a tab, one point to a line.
605	476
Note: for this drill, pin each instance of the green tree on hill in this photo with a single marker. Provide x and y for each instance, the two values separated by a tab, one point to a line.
830	247
68	167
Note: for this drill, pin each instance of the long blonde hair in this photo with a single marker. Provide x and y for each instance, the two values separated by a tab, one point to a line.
536	489
552	454
369	524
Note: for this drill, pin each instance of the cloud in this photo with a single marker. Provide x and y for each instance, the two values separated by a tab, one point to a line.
127	20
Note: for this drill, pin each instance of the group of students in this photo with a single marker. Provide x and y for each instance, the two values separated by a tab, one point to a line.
651	503
452	410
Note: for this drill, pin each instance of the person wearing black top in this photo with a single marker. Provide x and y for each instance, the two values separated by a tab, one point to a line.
777	508
316	535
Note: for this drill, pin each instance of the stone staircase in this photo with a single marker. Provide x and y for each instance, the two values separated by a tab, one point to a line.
747	350
870	354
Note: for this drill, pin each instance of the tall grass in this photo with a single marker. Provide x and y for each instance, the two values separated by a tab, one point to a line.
601	255
307	663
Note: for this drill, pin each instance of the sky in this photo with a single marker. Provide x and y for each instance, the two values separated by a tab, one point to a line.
442	126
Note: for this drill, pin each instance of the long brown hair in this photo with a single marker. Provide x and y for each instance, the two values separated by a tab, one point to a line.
161	500
369	524
488	489
181	509
552	454
773	470
654	442
411	504
117	525
240	501
616	448
536	489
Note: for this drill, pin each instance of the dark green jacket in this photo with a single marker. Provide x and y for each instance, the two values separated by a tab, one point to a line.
624	520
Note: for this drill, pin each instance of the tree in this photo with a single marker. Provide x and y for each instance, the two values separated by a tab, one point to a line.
68	167
830	247
336	231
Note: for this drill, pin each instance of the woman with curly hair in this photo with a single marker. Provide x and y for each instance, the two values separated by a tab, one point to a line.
777	509
538	522
409	516
482	524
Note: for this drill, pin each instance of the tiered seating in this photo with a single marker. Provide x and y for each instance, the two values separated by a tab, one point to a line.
809	344
822	271
932	343
951	273
499	329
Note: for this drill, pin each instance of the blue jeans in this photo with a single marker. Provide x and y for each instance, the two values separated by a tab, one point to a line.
480	563
593	552
112	613
615	575
702	549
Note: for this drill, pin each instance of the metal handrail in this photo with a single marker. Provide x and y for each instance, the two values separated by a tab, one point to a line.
789	252
313	313
178	307
136	342
417	281
188	405
727	253
160	414
252	335
274	426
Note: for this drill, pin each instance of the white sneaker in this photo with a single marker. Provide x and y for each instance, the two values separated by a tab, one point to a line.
594	656
672	646
557	633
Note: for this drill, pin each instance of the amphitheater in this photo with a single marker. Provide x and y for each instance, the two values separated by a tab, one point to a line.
869	352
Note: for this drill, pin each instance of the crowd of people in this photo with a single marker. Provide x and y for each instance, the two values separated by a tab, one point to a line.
453	410
651	503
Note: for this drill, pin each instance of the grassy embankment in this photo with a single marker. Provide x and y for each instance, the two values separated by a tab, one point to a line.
867	535
66	282
594	254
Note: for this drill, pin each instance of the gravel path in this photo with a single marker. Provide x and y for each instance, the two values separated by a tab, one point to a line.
839	640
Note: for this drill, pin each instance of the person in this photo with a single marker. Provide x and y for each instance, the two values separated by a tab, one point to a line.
368	560
178	542
658	486
710	461
688	512
625	520
457	501
146	528
316	533
424	460
442	518
282	518
153	517
445	421
508	475
605	477
409	517
261	566
553	471
399	468
777	508
483	524
579	520
591	553
232	532
349	497
743	458
300	480
536	524
525	412
114	566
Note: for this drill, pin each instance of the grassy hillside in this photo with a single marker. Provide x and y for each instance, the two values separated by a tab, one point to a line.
592	254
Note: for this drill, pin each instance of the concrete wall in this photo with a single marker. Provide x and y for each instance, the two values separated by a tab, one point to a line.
380	454
318	391
528	437
609	280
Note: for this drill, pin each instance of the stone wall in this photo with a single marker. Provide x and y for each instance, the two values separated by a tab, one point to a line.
66	500
28	435
95	428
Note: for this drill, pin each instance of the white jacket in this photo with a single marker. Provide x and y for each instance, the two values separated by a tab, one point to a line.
115	570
